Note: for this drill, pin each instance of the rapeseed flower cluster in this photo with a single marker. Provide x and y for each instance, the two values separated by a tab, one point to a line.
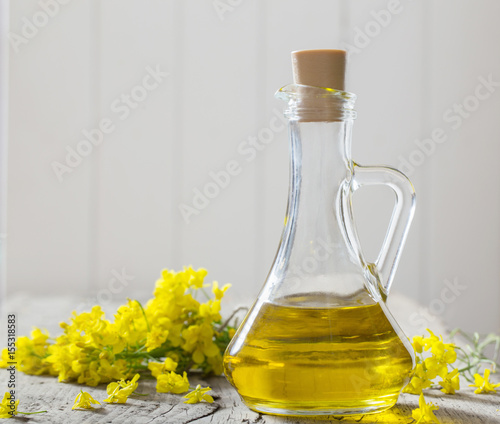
169	336
429	367
434	368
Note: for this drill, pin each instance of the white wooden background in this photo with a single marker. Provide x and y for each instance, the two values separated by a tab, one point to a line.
410	63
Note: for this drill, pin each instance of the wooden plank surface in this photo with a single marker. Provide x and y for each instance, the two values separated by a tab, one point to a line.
45	393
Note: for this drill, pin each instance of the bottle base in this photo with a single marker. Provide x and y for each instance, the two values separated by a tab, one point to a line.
320	409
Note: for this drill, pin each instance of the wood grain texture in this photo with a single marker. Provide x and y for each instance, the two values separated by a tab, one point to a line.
44	393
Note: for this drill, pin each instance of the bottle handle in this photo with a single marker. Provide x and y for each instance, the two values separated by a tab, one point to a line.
388	259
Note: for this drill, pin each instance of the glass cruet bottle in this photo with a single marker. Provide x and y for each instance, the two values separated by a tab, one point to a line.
319	339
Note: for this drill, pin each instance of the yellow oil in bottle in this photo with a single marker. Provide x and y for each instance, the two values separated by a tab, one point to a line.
314	360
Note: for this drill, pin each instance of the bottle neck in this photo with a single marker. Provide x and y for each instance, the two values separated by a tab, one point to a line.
315	255
320	164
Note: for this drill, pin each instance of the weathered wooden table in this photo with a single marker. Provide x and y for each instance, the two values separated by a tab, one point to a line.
45	393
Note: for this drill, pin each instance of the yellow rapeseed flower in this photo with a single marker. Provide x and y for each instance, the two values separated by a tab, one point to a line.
219	293
199	342
130	322
419	381
445	352
451	382
424	413
7	409
435	367
210	310
156	337
418	344
198	395
6	358
158	368
431	339
483	383
84	400
196	277
216	363
172	383
118	392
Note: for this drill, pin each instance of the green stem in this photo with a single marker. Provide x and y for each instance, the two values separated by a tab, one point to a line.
144	313
497	350
466	368
140	349
30	413
226	322
205	293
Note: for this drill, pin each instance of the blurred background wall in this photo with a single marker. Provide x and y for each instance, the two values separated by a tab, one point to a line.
174	92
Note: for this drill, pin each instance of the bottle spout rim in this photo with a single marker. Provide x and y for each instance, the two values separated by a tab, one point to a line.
301	91
310	103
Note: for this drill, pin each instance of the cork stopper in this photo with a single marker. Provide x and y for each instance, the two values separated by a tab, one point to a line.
320	68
